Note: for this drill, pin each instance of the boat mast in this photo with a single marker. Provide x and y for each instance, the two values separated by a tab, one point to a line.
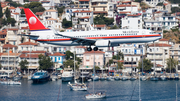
74	67
176	93
8	62
93	70
154	59
139	88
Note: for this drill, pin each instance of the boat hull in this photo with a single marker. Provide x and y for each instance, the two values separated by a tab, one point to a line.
42	79
66	79
93	96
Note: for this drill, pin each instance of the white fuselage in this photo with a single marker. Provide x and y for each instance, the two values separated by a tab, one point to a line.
116	37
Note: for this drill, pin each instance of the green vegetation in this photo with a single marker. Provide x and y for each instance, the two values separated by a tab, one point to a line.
171	65
9	20
60	9
138	0
7	13
35	7
66	24
100	19
119	56
44	62
23	64
14	4
175	9
1	14
174	1
146	65
114	27
97	68
160	4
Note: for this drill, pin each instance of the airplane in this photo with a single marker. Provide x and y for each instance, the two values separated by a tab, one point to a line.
97	38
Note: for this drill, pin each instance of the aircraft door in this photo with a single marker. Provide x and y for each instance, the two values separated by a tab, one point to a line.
143	34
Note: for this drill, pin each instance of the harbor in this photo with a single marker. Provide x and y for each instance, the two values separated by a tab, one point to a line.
115	90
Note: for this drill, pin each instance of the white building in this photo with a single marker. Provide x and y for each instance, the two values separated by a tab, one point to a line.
127	8
153	3
69	12
82	17
132	21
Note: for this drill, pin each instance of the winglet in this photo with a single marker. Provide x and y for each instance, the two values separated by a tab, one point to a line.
33	22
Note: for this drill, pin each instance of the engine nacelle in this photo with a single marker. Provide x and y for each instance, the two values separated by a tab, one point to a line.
102	43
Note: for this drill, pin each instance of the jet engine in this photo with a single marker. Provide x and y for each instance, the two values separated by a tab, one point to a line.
102	43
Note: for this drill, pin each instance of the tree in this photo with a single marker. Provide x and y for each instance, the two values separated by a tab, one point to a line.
146	65
22	39
97	68
60	9
7	12
175	9
138	0
1	14
22	11
114	27
160	4
69	55
66	24
44	62
14	4
120	65
11	21
100	19
35	7
171	65
23	64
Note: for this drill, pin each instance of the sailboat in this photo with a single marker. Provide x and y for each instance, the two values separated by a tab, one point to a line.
77	86
10	82
97	95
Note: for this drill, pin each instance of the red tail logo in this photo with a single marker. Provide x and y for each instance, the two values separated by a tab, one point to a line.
33	22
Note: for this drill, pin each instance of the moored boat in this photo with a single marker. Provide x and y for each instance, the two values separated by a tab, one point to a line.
96	95
40	76
67	75
78	86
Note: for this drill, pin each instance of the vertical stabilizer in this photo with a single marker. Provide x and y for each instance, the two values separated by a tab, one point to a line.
33	22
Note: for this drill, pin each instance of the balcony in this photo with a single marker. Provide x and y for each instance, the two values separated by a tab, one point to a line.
156	57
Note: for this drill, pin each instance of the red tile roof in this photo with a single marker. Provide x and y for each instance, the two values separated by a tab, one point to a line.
80	47
3	6
126	5
163	39
11	7
45	1
159	45
158	12
2	39
3	32
57	54
34	52
25	27
126	2
82	11
8	46
16	13
1	54
92	52
21	7
39	13
29	55
99	25
11	54
86	17
133	15
124	12
29	43
13	29
143	11
69	28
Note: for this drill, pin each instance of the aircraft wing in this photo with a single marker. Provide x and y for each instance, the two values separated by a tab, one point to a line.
81	41
28	35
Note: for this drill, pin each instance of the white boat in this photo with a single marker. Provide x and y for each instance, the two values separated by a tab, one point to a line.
95	78
11	82
78	86
54	76
143	78
67	75
96	95
110	78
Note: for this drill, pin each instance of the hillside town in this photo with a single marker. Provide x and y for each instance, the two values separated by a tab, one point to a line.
161	16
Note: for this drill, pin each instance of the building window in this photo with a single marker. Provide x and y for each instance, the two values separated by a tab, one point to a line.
98	63
93	8
103	8
59	58
87	57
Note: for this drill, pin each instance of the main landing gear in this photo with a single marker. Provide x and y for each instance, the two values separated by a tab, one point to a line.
90	49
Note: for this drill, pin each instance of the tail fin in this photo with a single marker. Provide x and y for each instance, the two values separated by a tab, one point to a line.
33	22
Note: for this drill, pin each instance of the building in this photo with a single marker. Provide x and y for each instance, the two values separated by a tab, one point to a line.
174	53
58	59
88	59
158	53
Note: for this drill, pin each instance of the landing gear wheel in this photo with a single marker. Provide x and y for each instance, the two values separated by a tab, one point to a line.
89	49
95	48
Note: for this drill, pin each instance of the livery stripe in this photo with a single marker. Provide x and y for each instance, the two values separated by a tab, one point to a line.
108	37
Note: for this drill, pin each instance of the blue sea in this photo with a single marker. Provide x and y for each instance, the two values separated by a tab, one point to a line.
115	91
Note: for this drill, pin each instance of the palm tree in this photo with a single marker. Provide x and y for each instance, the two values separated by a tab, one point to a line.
171	65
